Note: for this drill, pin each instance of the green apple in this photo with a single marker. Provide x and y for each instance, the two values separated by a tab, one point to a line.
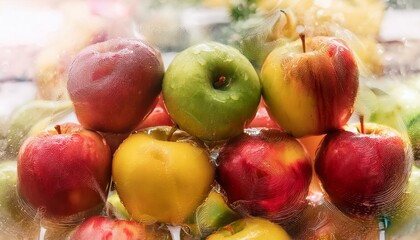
211	91
250	228
117	208
15	223
407	99
35	114
161	175
406	221
213	214
413	129
398	106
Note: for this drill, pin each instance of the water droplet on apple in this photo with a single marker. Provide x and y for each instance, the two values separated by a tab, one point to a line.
234	97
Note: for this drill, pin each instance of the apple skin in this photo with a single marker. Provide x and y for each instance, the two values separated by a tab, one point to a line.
211	91
99	228
250	228
64	173
364	174
322	83
265	173
114	84
159	180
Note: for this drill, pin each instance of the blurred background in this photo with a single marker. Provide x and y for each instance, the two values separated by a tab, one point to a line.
39	38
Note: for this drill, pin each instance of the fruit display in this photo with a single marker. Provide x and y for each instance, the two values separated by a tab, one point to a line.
270	122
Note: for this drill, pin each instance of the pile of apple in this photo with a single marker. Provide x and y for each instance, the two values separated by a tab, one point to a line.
210	144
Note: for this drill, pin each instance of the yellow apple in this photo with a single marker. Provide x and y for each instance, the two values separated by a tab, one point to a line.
162	177
251	228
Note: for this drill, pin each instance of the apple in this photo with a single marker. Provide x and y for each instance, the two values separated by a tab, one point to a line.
158	117
321	220
26	117
310	89
116	208
250	228
114	84
162	175
406	221
398	106
414	135
262	118
211	91
100	227
64	172
15	222
211	215
364	169
265	173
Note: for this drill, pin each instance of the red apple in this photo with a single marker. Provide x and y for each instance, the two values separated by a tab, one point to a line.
265	173
100	228
64	171
310	89
158	117
364	170
262	118
114	84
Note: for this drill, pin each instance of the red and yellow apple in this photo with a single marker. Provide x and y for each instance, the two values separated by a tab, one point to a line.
162	176
100	228
265	173
64	171
114	84
364	169
310	87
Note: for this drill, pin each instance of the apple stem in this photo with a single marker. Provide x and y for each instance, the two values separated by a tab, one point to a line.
362	123
302	39
171	132
219	82
57	128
